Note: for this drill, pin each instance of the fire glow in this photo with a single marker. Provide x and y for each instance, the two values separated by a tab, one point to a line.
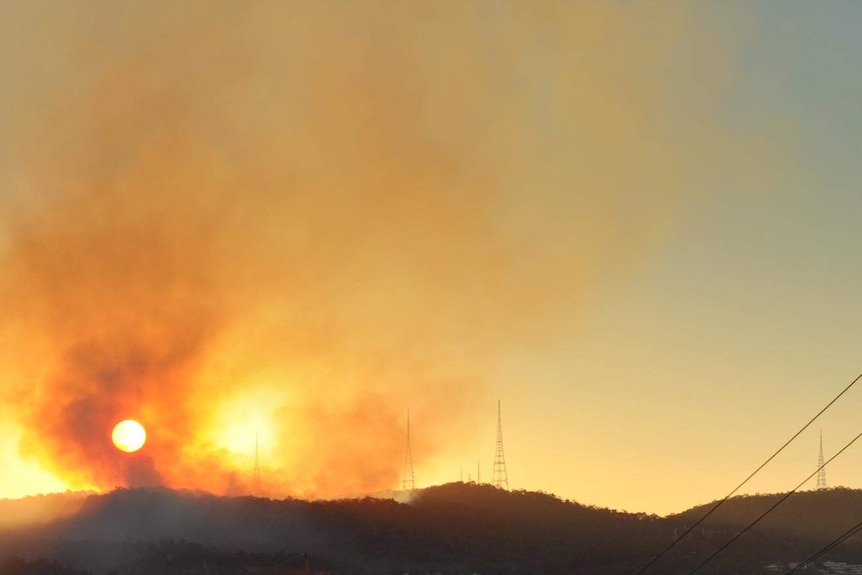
299	222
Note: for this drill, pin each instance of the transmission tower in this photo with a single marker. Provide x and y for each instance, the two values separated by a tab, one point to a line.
821	473
500	478
255	486
409	481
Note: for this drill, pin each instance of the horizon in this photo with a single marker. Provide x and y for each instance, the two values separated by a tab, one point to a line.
394	494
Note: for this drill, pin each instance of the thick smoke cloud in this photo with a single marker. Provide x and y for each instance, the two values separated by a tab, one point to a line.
298	219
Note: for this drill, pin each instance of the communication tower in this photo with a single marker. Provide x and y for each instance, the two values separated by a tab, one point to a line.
409	481
821	470
500	478
255	486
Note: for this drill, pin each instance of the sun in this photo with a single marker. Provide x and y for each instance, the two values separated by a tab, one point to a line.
129	435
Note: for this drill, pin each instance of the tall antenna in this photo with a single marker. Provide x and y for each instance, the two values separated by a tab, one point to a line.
821	473
500	477
409	481
255	485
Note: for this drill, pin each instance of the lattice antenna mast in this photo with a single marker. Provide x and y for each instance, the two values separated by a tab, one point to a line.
255	486
409	481
500	478
821	474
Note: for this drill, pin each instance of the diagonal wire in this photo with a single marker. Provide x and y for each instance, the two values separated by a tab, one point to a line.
747	479
770	510
835	543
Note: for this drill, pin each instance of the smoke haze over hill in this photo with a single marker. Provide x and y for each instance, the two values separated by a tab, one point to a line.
298	219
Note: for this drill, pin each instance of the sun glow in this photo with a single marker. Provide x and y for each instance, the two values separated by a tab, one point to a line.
235	428
129	436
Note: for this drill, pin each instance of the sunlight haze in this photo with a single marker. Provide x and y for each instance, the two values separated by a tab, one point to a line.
636	224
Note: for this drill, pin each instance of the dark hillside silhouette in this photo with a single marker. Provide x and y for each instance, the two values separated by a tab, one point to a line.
459	528
814	514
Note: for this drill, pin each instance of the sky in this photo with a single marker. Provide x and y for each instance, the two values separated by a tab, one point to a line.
633	224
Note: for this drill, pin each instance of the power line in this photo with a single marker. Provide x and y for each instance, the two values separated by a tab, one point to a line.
747	479
771	509
835	543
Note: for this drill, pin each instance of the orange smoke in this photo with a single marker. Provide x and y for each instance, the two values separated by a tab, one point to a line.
300	219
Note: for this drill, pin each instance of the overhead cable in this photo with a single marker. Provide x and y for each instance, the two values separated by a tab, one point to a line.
832	545
771	509
747	479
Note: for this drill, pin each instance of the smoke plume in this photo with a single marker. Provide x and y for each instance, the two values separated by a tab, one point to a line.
299	219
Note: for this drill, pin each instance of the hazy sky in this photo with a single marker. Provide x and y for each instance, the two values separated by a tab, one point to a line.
633	223
743	321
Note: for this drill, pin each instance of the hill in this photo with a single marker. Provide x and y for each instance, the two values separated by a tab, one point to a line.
809	514
456	528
